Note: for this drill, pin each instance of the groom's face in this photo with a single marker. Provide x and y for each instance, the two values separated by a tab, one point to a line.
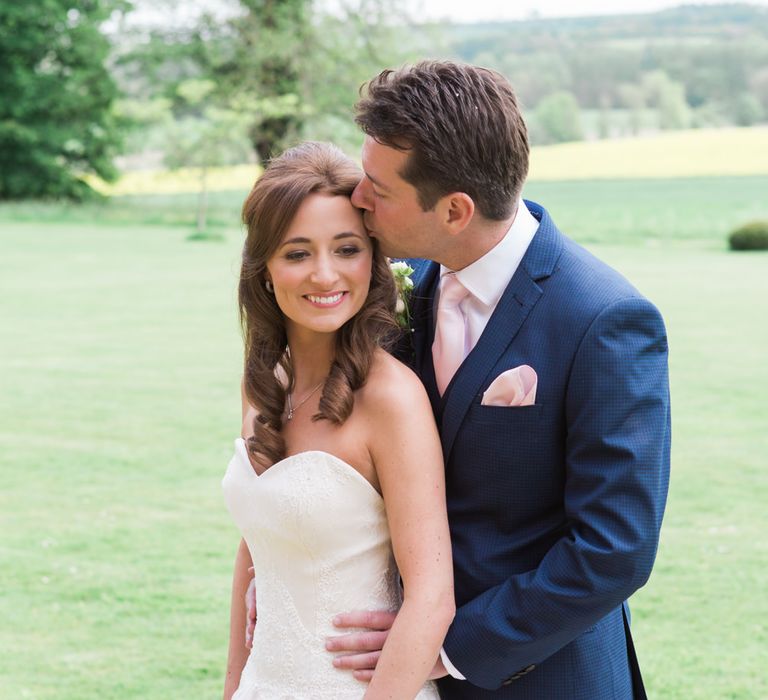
392	212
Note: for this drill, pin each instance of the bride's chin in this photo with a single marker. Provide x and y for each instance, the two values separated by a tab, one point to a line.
324	328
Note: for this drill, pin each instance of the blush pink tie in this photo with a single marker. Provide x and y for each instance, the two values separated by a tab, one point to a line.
449	348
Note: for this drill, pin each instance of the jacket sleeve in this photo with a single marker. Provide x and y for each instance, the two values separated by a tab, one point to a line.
617	473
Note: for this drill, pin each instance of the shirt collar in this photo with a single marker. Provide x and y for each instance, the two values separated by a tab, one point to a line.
488	277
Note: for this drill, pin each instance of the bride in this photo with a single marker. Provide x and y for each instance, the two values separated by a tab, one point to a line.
337	483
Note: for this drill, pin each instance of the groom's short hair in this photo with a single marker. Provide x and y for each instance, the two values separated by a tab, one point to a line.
461	126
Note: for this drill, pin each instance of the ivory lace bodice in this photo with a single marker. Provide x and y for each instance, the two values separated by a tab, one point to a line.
318	536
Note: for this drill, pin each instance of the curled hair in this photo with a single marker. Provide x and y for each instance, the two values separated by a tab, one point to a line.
462	128
309	168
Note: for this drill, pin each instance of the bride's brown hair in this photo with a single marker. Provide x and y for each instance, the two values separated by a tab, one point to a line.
309	168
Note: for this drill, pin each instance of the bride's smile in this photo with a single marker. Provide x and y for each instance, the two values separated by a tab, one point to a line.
326	300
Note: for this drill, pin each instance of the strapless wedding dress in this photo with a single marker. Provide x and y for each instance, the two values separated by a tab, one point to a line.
317	532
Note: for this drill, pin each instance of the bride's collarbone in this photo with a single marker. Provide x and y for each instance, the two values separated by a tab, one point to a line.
343	442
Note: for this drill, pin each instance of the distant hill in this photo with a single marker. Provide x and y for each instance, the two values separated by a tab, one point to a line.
691	66
699	22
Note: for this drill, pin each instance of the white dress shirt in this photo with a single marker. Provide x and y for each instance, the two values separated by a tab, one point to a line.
486	279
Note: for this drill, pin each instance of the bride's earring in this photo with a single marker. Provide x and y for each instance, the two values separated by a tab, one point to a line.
268	286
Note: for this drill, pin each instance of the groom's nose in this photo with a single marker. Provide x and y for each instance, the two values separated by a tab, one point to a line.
361	195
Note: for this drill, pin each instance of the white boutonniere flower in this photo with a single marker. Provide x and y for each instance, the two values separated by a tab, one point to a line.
402	272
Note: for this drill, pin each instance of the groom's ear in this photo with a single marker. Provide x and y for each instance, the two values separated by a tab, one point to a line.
456	211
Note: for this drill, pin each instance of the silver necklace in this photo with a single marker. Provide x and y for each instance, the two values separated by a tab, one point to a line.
292	409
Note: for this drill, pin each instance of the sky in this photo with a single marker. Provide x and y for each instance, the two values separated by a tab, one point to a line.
480	10
158	11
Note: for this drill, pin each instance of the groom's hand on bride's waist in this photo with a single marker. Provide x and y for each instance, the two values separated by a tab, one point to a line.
250	611
359	651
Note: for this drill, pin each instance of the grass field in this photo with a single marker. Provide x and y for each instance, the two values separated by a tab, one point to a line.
699	210
119	371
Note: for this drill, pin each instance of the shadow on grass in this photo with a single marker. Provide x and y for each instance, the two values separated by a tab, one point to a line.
206	236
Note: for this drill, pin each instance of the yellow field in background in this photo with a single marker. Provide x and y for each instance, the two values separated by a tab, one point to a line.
232	177
693	153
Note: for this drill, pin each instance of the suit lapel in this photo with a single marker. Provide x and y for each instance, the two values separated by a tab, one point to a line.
519	298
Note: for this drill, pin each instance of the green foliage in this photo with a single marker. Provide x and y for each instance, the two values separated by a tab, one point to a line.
533	74
56	119
711	56
348	48
747	109
556	119
260	56
750	236
290	67
208	136
668	96
758	86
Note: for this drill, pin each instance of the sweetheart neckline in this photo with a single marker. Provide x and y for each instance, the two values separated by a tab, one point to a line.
304	453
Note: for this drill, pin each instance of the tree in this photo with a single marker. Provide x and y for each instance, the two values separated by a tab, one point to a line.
298	68
259	56
56	119
759	86
349	47
668	96
557	119
632	97
209	135
747	109
533	75
292	67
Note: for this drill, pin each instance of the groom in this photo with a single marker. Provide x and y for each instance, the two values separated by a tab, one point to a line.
555	499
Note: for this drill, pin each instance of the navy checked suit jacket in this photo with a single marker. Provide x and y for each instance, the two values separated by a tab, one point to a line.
555	508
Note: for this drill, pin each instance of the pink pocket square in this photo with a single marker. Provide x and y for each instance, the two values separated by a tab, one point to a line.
515	387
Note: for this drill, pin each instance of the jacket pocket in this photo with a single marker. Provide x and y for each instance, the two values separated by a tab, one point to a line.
506	415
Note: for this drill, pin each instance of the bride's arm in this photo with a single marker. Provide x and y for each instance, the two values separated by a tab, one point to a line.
241	578
238	652
405	447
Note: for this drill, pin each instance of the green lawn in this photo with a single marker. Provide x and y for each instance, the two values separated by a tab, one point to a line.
701	624
119	372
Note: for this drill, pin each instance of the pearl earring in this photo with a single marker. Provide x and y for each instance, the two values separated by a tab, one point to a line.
268	286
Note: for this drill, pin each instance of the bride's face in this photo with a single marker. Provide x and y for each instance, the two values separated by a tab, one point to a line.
321	272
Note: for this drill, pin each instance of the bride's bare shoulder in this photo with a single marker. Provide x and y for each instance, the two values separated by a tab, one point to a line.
391	381
394	406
